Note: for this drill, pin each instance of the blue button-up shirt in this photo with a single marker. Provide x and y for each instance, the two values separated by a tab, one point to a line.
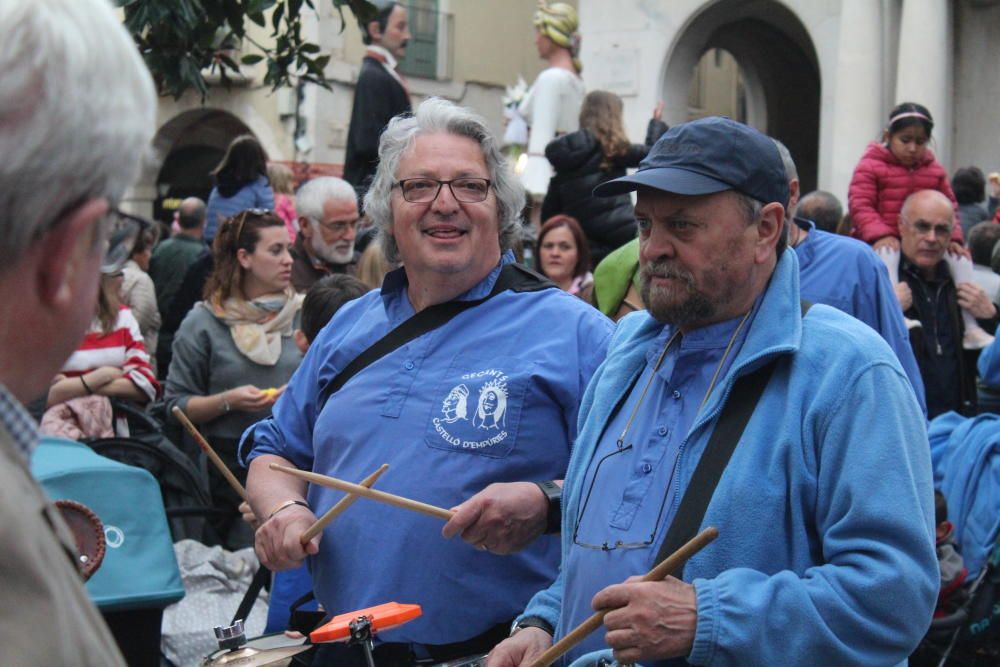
491	396
622	524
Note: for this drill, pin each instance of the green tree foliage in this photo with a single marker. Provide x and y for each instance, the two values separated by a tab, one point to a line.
180	39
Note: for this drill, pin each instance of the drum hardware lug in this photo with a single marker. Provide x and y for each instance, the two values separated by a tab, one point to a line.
231	636
361	633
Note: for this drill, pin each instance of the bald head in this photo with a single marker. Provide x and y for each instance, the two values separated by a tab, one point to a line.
923	200
191	213
925	224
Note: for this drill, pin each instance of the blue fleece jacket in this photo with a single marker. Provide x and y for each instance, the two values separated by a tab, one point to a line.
825	511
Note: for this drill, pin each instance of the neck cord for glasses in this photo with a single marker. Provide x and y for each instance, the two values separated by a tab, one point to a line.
711	385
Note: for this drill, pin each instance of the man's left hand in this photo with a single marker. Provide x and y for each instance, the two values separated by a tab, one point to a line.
974	299
502	518
649	620
957	248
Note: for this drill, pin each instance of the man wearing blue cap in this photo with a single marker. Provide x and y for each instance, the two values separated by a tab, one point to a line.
730	403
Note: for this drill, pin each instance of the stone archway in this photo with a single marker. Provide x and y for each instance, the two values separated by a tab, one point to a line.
191	144
780	70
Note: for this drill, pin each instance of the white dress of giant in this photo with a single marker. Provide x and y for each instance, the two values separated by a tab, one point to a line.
552	108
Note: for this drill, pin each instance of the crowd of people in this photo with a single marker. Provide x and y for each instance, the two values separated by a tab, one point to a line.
697	344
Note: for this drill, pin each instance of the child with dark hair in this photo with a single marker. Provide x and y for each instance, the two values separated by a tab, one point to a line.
887	174
953	571
322	302
969	185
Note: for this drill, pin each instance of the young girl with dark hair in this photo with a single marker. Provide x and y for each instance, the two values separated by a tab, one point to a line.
887	174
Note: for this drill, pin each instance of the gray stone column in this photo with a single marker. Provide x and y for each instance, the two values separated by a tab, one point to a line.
858	109
925	65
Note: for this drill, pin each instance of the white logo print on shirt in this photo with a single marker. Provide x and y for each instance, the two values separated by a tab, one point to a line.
454	426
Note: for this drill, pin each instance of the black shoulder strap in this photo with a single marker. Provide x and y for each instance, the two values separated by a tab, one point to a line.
728	430
512	277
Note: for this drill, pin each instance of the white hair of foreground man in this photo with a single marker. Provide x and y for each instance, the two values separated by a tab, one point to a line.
437	115
77	113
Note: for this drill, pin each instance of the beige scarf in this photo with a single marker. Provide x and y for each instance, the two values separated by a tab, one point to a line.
257	326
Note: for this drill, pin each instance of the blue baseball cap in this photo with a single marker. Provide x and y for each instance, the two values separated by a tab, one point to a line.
709	155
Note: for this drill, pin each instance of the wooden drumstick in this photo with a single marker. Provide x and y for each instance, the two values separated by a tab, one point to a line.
212	456
342	504
658	573
372	494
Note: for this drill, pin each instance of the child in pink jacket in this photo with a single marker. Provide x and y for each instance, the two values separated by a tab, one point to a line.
887	174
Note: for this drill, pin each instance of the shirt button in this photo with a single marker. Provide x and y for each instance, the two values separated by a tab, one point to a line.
677	395
408	365
647	468
662	430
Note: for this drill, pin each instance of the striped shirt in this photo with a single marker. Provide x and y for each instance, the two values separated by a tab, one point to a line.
121	348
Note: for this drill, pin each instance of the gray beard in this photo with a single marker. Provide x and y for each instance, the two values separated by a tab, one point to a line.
694	308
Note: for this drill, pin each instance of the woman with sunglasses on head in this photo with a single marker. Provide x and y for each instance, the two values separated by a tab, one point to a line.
234	352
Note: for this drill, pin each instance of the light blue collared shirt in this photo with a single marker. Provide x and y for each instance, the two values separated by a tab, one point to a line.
636	496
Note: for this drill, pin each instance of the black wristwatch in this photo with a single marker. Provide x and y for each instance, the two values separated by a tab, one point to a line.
553	494
531	622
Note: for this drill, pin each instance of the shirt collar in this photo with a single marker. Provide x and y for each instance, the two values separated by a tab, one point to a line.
386	57
395	283
709	337
18	422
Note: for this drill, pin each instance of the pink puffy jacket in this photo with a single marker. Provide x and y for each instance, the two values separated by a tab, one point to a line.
881	184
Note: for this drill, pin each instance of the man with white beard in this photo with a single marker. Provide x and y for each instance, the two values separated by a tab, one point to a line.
328	219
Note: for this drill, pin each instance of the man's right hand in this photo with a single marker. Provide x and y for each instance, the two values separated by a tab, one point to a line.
522	648
904	295
277	540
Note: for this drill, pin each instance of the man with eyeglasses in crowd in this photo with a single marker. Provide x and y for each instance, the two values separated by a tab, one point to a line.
823	498
77	109
473	410
927	294
328	220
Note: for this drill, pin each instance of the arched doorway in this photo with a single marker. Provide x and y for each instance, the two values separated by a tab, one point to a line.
192	144
778	66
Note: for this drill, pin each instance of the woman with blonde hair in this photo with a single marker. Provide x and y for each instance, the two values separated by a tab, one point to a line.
552	105
234	352
599	151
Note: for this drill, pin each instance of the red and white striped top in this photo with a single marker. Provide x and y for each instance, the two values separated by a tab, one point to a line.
122	348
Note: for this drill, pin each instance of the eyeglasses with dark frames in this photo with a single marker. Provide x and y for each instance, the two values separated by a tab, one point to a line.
424	190
612	545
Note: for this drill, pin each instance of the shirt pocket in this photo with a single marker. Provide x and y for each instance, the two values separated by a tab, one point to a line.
476	406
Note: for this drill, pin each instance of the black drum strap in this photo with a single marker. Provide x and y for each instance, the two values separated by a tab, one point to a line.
728	430
512	277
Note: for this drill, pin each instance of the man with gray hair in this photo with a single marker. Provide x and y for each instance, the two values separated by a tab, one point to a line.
77	108
328	221
459	319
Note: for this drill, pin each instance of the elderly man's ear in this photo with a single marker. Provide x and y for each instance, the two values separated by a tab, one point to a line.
769	229
68	255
